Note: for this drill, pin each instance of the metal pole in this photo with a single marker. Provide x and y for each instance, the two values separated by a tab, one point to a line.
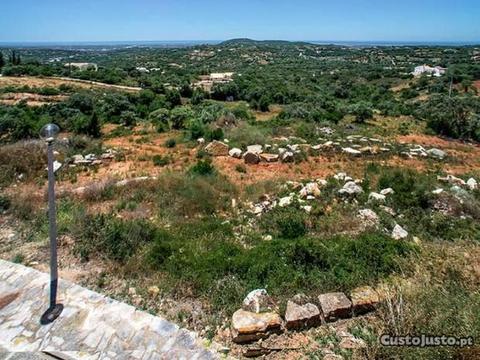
53	227
54	309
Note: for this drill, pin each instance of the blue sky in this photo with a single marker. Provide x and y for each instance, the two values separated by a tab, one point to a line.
342	20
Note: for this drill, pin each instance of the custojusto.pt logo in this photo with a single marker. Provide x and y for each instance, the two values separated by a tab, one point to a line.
423	340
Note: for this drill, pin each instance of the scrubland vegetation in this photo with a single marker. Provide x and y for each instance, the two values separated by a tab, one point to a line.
189	227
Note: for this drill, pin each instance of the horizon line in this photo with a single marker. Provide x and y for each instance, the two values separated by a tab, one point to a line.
210	41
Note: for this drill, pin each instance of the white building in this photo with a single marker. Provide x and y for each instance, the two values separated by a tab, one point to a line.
219	77
425	69
82	66
206	82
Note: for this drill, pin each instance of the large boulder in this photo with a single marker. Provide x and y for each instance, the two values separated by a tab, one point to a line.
235	153
376	197
335	306
311	189
285	201
350	188
256	149
258	301
351	151
387	191
287	157
472	184
251	158
369	218
437	153
399	233
269	158
79	159
298	316
249	326
340	176
452	180
217	148
364	299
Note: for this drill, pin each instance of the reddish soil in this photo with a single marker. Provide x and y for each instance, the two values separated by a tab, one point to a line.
139	150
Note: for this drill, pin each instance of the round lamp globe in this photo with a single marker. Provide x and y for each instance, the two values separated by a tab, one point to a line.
49	132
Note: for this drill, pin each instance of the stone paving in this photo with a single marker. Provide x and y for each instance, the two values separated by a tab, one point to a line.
91	326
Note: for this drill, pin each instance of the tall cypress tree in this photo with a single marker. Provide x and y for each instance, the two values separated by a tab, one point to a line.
2	61
94	128
14	58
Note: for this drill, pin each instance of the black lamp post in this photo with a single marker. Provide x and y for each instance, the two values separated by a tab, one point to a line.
49	133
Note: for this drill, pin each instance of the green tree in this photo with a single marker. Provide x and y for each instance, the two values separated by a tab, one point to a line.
186	90
2	60
466	84
264	103
173	98
128	118
179	117
362	111
94	128
455	116
160	119
14	58
198	96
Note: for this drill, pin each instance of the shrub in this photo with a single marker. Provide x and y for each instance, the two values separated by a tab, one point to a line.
241	168
27	159
159	119
159	160
215	134
202	168
18	258
245	135
111	237
412	189
180	195
160	250
170	143
288	223
4	203
209	260
452	116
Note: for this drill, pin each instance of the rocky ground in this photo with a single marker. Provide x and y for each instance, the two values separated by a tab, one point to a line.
259	327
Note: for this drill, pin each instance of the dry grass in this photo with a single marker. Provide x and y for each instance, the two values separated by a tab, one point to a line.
56	82
23	160
31	99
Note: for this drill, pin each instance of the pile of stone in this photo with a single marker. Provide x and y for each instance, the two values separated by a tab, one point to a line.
302	193
253	155
258	318
92	159
381	196
471	183
353	145
420	151
370	219
351	187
